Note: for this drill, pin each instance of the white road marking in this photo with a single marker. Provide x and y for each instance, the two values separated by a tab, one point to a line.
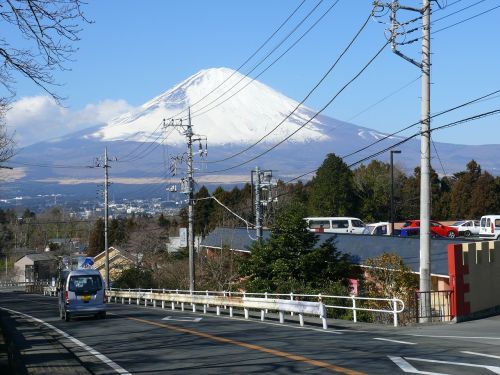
396	341
482	354
494	369
458	337
92	351
183	319
406	367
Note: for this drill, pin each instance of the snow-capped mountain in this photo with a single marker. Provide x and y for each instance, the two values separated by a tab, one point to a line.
232	121
227	107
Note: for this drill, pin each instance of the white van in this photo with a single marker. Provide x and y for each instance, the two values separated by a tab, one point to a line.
489	227
351	225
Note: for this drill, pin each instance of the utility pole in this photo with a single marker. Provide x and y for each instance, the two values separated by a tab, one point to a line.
106	215
258	216
392	189
425	166
104	164
425	137
187	184
192	270
261	181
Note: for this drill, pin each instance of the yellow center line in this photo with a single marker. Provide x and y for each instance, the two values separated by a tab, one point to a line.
259	348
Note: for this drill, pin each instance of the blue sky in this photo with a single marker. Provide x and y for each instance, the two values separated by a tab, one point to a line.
136	50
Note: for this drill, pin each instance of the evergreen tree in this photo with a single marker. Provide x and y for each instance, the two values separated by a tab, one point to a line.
96	238
332	191
291	261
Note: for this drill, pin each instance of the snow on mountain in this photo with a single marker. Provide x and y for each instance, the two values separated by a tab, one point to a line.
242	119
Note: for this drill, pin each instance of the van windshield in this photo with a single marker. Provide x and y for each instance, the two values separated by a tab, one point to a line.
85	283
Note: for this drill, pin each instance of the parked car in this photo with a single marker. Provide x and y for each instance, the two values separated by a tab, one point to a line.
437	229
382	228
467	228
351	225
490	227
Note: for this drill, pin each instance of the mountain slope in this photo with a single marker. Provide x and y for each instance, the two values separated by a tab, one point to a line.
242	119
135	138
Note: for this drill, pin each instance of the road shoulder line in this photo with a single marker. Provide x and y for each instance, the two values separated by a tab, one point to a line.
84	346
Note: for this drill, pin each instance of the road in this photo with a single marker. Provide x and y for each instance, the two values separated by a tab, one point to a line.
143	340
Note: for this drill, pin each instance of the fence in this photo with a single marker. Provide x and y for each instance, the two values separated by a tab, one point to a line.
300	304
440	302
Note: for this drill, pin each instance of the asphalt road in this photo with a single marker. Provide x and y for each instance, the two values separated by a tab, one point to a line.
143	340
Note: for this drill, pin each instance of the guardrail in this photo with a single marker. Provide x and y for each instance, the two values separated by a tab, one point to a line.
300	304
50	291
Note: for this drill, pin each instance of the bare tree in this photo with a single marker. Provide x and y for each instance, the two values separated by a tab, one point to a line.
49	29
37	39
6	140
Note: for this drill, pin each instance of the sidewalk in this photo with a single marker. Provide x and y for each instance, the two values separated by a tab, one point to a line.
32	350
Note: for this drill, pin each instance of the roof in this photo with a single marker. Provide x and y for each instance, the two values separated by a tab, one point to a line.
36	257
361	247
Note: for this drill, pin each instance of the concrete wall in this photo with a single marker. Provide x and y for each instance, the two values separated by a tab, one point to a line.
474	270
20	269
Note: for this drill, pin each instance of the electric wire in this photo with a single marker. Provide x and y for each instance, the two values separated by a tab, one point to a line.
450	26
247	60
360	72
458	11
383	99
196	113
466	19
406	139
325	75
241	66
437	154
476	100
55	166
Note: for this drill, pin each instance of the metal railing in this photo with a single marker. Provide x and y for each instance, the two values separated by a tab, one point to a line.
440	302
229	300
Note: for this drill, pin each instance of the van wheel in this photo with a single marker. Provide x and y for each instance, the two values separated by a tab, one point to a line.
467	233
67	316
451	234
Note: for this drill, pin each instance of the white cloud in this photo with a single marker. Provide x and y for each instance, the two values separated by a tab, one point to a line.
38	118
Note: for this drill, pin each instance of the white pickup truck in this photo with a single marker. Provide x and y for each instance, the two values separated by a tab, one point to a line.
467	228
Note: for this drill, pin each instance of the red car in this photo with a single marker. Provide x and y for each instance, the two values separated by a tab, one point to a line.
436	228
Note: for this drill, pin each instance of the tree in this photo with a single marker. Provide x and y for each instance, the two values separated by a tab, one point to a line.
6	140
202	211
96	238
473	193
386	276
291	261
332	191
48	30
373	184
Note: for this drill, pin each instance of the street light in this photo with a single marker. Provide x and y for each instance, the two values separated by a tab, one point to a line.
392	188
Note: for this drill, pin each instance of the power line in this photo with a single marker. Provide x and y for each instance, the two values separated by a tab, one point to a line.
466	19
437	154
312	117
404	140
55	166
196	112
249	58
383	99
481	98
304	99
458	11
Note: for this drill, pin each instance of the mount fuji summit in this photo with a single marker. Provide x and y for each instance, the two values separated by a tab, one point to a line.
246	124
